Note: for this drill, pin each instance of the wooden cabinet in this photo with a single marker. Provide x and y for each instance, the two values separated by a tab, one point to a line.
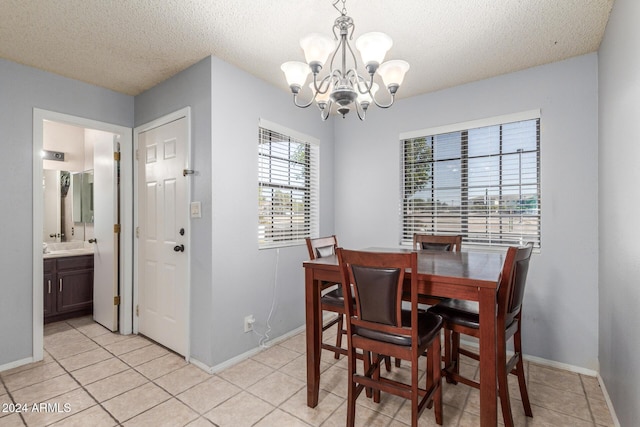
68	287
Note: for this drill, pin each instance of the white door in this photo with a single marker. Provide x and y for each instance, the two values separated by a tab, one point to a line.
163	234
105	216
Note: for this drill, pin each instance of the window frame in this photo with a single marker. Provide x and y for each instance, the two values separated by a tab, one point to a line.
277	172
491	239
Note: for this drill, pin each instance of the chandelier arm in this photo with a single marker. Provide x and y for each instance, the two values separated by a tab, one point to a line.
295	101
318	87
393	97
353	55
362	115
324	113
361	81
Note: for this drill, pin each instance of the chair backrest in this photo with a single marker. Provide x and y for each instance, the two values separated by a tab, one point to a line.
437	242
322	246
375	281
513	280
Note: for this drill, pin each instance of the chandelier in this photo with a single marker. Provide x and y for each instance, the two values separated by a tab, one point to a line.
344	86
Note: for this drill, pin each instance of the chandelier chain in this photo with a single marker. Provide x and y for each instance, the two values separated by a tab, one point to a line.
344	7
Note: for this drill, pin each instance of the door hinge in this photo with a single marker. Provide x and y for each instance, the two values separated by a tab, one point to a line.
137	310
137	232
116	300
116	156
137	155
116	228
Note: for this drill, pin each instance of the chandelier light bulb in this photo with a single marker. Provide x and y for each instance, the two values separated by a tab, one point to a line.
392	73
317	48
296	74
373	47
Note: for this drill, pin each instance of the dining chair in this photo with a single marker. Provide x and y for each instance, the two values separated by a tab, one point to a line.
331	298
437	242
377	325
462	317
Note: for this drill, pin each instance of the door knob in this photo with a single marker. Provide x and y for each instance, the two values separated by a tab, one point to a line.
93	240
178	248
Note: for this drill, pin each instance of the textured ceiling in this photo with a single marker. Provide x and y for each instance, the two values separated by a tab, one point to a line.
131	45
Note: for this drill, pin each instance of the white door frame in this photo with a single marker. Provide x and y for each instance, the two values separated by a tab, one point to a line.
126	220
176	115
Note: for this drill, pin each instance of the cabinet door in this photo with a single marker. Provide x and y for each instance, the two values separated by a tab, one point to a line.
49	293
74	290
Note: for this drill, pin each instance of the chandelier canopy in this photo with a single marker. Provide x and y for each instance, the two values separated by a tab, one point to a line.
344	86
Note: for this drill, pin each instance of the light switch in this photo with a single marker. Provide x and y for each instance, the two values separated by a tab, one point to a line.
195	210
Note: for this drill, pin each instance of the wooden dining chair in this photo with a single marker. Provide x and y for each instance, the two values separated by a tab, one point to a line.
462	317
331	298
437	242
377	325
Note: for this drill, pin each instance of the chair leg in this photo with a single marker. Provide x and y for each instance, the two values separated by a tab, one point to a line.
351	396
503	383
366	359
451	355
524	395
376	374
436	356
339	336
415	396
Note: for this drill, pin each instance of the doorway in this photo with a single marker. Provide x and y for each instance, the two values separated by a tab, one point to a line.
108	137
162	248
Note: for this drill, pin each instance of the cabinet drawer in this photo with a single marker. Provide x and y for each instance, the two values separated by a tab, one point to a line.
49	265
75	262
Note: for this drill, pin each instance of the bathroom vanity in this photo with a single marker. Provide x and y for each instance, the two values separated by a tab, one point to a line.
68	286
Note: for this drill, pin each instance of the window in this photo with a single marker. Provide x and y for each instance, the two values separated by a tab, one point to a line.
479	180
287	187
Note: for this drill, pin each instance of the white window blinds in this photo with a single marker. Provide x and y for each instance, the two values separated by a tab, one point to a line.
482	183
287	189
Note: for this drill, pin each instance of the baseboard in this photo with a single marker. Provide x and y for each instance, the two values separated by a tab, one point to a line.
607	399
16	363
246	355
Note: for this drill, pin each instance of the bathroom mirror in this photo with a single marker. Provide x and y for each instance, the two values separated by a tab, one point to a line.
83	197
68	204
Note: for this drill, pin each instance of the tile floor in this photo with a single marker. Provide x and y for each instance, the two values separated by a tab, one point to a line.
91	377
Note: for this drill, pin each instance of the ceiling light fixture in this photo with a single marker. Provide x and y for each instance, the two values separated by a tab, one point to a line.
344	86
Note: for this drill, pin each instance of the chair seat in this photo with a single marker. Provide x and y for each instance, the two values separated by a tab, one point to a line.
462	312
429	325
334	298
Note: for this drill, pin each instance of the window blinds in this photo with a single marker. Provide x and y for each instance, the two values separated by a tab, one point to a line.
287	189
482	183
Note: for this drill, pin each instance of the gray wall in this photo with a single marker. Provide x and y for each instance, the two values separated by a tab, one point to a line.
231	278
619	84
243	276
21	90
561	303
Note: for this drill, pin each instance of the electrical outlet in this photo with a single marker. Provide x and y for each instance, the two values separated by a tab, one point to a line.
248	323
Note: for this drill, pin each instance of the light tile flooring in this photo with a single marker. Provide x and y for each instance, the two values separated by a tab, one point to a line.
91	377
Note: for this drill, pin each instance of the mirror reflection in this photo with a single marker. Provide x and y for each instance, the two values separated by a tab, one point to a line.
68	204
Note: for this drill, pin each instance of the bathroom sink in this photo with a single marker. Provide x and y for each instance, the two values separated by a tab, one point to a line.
54	250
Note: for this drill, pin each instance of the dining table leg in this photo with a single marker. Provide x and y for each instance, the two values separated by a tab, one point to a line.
314	337
488	382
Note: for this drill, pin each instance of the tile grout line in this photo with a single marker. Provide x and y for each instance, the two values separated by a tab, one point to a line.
82	386
12	400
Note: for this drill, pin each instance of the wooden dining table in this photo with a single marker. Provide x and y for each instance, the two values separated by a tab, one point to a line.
472	275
